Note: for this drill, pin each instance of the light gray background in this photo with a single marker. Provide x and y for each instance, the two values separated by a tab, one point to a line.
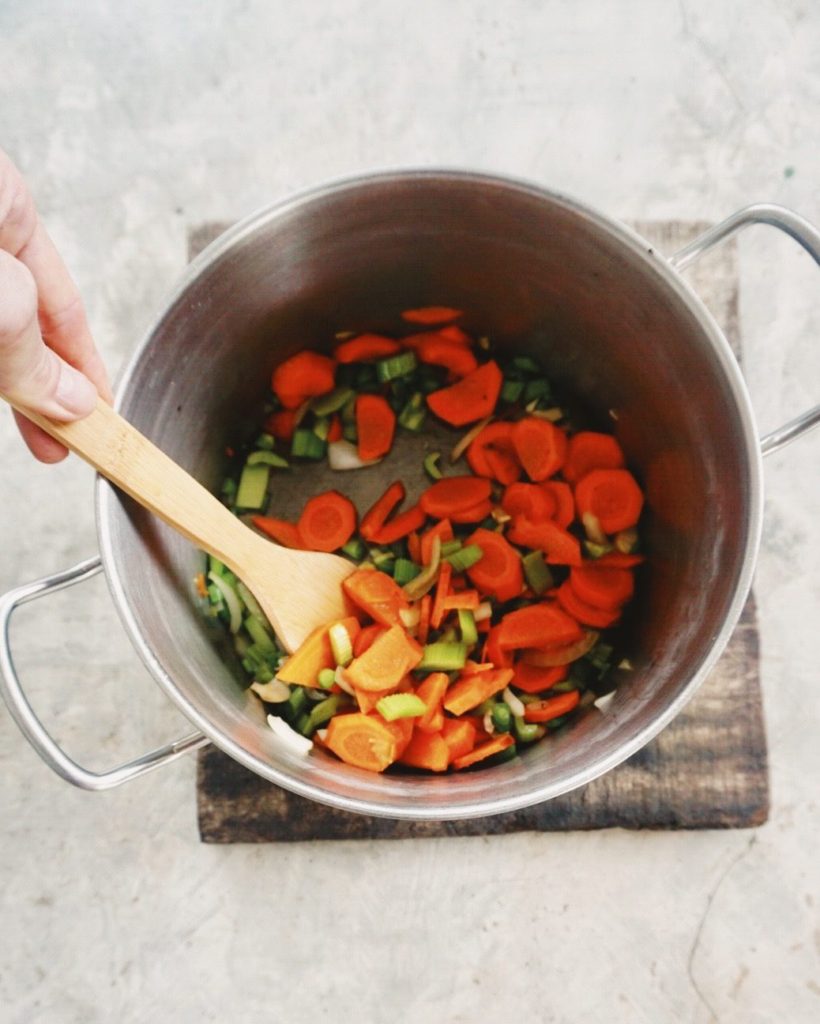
134	120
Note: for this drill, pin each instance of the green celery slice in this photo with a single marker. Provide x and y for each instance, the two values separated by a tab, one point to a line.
253	487
401	705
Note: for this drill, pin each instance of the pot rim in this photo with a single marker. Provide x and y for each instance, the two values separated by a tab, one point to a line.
106	499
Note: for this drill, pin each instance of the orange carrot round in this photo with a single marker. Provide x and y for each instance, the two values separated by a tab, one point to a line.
335	431
492	454
473	514
455	357
541	447
559	546
498	572
552	707
365	347
602	586
538	625
376	516
280	530
533	679
454	494
619	560
375	424
302	376
612	496
328	521
470	399
561	494
529	501
585	613
365	741
590	450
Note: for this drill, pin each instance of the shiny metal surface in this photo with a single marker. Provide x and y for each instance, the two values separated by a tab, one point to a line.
612	322
28	722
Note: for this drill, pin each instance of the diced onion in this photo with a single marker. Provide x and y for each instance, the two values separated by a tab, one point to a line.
489	725
274	691
299	744
341	680
344	455
513	703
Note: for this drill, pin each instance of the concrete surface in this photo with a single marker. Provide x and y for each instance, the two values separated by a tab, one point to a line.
132	121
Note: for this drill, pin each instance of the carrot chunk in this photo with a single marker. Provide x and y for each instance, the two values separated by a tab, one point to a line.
602	586
612	496
528	500
302	376
454	494
469	399
590	450
365	741
376	516
328	521
455	357
551	707
492	453
484	750
585	613
314	654
538	625
443	530
280	530
559	546
427	750
399	526
460	735
377	594
376	424
561	494
365	638
541	447
431	690
532	679
365	347
498	572
469	691
385	663
281	424
431	315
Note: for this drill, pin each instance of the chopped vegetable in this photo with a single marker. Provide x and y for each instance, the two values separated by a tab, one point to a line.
395	366
388	659
365	347
279	530
253	487
327	521
344	455
376	594
454	494
304	375
498	572
340	643
470	399
538	576
375	424
484	750
400	525
266	458
431	468
431	315
612	496
492	453
431	690
552	707
401	705
538	625
541	447
443	657
314	654
589	450
427	750
365	741
377	515
470	691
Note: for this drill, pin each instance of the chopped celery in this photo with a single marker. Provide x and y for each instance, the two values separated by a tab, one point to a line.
265	441
332	402
449	636
511	390
395	366
229	595
321	428
326	678
253	487
443	657
321	713
404	570
527	364
449	547
382	559
537	389
537	573
595	550
340	643
401	705
501	717
431	465
228	490
412	415
466	626
527	732
466	557
263	457
251	603
306	445
354	549
258	632
214	565
295	705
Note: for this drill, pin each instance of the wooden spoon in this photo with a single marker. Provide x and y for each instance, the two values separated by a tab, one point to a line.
298	590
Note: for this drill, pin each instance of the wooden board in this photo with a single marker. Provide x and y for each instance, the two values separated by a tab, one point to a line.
697	774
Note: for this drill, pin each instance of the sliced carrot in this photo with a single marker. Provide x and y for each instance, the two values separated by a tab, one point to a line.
426	750
590	450
470	399
494	652
612	496
561	494
365	638
619	560
602	586
304	375
377	515
375	424
368	699
498	572
532	679
455	333
377	594
442	590
431	690
469	691
583	612
365	347
454	494
552	707
328	521
465	599
492	453
388	659
314	654
365	741
455	357
528	500
559	546
443	530
474	514
399	526
460	735
431	315
424	619
541	447
414	547
484	750
281	424
335	432
280	530
538	625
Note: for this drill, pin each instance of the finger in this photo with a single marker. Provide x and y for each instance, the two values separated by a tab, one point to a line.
63	320
31	375
41	445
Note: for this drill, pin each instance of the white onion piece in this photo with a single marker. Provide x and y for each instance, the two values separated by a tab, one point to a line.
274	691
299	744
513	703
409	617
468	439
342	681
488	723
231	600
344	455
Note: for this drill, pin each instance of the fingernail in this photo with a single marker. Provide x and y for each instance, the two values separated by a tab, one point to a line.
75	393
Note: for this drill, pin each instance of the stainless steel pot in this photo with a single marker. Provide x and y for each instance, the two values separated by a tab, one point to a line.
612	320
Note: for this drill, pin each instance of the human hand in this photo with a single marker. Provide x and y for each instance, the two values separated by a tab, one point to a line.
48	361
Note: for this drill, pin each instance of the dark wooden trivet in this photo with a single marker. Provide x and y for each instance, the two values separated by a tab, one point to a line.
697	773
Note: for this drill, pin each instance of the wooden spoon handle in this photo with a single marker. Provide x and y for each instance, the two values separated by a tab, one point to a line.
128	459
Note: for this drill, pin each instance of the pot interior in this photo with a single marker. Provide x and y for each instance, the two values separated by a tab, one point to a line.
534	272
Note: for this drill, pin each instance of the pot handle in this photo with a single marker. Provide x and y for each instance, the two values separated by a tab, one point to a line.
31	726
801	231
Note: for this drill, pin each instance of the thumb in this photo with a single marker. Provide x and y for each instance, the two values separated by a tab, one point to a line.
31	375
